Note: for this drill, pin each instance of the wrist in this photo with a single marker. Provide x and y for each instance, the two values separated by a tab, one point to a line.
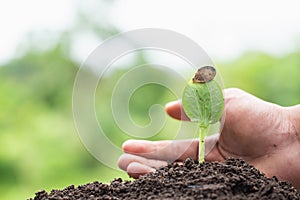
294	113
293	152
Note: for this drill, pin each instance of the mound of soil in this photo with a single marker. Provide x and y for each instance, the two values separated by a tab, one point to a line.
233	179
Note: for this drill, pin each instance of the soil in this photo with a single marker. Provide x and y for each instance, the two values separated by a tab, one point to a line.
232	179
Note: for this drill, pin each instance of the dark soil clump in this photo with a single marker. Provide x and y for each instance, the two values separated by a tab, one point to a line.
233	179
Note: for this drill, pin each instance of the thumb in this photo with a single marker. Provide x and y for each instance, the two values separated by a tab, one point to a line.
175	110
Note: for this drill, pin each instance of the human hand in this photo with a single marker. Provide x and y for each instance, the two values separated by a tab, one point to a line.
263	134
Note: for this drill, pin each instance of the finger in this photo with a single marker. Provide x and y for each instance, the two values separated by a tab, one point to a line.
175	110
177	150
126	159
136	169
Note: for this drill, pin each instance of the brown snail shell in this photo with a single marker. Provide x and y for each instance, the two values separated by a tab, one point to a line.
204	74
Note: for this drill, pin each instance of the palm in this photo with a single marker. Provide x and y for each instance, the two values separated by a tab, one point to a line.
250	132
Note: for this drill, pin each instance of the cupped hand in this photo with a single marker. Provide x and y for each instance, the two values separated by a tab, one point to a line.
264	134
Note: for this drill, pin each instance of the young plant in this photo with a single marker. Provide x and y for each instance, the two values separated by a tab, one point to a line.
203	102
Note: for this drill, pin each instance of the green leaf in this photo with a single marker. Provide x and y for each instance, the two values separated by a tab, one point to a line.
203	102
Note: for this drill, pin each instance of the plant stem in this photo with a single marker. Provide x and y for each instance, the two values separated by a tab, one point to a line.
203	132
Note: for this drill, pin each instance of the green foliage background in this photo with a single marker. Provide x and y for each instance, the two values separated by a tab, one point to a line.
40	148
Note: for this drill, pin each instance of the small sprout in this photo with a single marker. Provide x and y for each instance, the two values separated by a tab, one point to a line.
203	102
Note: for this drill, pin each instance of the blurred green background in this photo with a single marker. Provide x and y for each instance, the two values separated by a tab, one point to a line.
39	146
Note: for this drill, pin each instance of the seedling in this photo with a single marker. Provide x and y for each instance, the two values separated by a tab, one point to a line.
203	102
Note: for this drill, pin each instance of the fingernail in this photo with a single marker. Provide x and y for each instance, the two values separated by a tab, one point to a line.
169	104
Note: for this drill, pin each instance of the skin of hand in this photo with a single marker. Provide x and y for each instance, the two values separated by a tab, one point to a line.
265	135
